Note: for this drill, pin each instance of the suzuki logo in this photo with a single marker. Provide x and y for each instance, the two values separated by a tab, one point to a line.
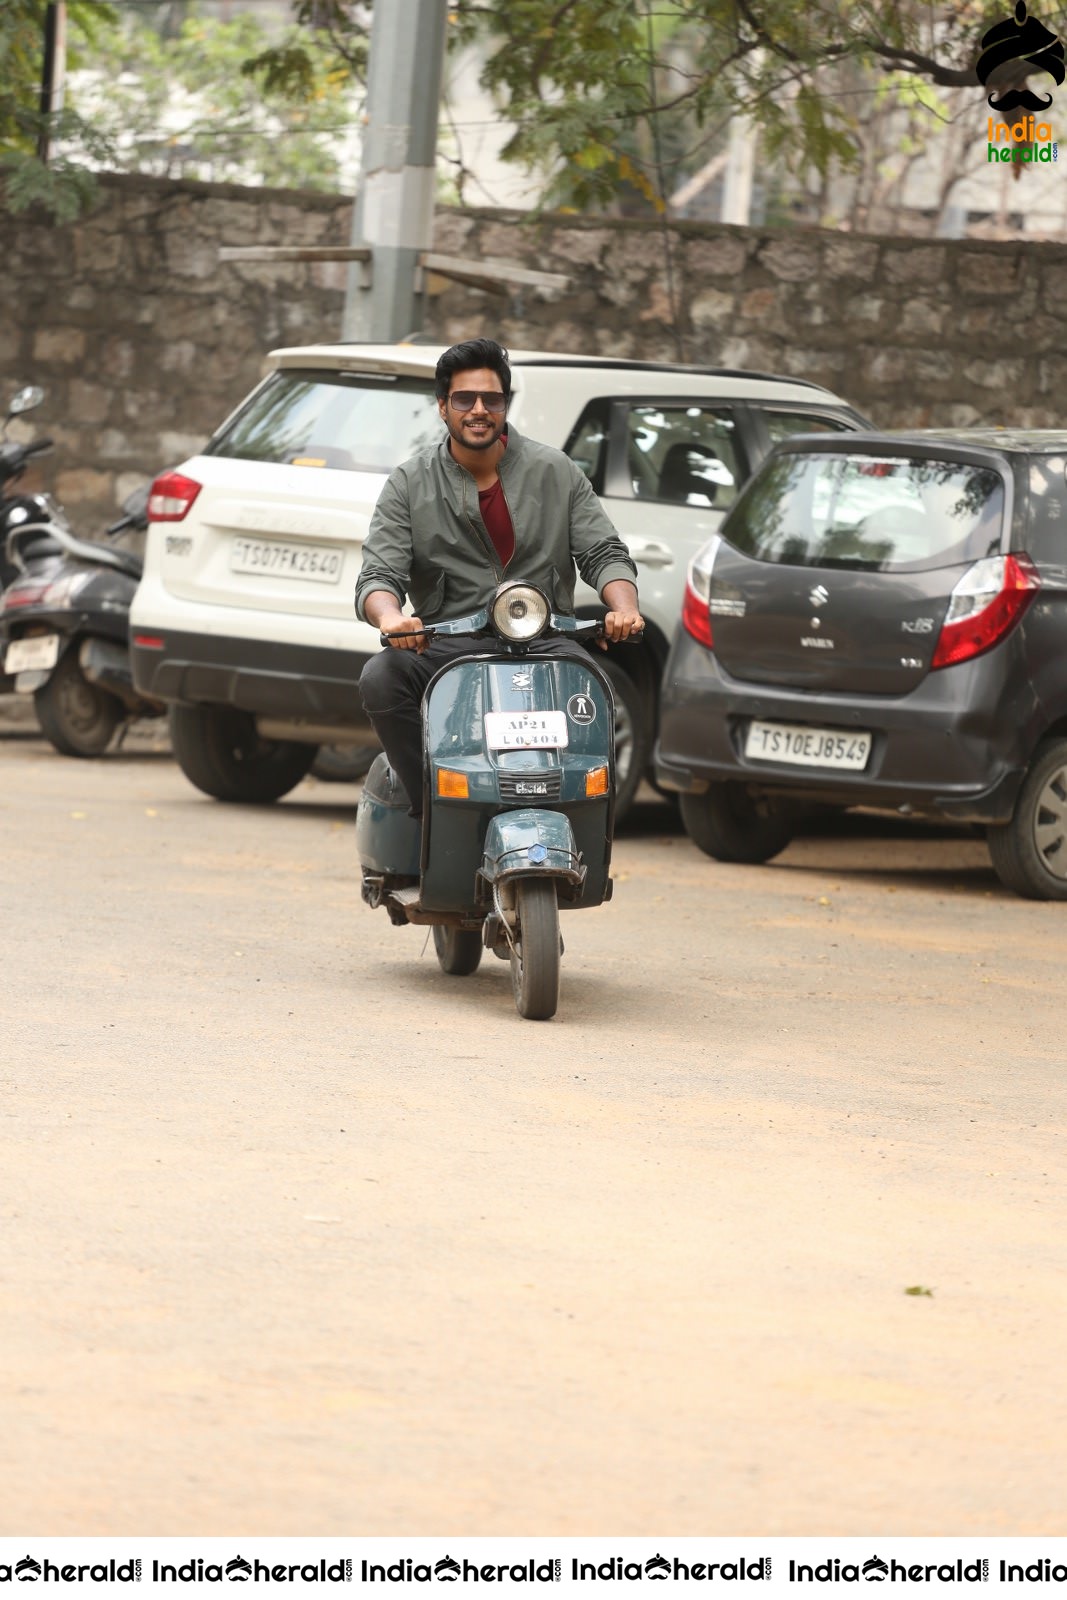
522	680
818	596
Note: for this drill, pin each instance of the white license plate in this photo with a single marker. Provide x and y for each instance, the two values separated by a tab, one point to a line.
526	730
808	747
272	559
38	654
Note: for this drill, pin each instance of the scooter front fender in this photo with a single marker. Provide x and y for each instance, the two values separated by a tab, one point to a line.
531	843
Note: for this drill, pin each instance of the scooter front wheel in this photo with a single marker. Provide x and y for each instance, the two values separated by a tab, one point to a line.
459	950
535	953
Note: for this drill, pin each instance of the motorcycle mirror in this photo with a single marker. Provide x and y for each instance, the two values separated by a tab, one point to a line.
135	505
25	400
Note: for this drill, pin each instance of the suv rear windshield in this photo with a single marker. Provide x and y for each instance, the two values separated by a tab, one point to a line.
351	420
868	512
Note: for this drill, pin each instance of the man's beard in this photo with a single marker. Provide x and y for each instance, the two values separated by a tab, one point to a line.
478	441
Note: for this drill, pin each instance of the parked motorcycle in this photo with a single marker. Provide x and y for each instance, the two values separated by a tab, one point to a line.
16	510
64	626
518	800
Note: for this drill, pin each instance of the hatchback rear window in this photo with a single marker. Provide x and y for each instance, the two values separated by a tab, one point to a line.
867	512
352	421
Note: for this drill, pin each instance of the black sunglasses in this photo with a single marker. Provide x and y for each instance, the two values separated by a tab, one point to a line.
467	399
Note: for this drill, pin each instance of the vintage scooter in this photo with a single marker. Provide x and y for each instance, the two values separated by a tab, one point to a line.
518	800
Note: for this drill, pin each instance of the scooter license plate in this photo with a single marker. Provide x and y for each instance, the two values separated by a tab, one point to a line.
37	654
526	730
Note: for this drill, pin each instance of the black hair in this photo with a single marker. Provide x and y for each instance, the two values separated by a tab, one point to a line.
467	357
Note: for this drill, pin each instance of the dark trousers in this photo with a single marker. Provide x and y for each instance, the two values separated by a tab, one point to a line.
392	686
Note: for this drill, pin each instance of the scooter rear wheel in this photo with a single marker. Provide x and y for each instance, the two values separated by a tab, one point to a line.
535	955
459	950
76	716
343	763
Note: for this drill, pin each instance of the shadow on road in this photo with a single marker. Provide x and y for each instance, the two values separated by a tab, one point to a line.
934	858
588	998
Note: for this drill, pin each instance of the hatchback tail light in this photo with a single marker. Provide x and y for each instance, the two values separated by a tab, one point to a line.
696	603
171	496
985	605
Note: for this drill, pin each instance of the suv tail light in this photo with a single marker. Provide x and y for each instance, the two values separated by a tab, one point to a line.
696	603
171	496
985	605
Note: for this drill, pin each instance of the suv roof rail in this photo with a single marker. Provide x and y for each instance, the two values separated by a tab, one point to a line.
607	363
613	363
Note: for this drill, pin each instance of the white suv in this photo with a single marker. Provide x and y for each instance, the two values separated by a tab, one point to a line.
244	619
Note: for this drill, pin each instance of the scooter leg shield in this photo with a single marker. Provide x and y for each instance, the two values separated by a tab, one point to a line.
534	843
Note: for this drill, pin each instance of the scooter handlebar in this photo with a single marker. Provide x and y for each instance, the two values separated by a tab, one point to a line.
13	457
576	628
407	633
475	626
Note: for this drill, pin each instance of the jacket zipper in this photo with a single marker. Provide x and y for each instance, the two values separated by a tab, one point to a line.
486	544
511	519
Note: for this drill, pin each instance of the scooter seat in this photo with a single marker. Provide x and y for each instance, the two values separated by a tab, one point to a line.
102	555
36	547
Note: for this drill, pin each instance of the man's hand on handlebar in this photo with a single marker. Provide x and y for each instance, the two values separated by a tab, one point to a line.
401	631
623	621
383	612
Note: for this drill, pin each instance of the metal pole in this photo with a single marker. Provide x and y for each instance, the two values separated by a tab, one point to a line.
53	73
737	190
394	206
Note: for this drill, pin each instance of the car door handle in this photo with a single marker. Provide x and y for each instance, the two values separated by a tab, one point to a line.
651	553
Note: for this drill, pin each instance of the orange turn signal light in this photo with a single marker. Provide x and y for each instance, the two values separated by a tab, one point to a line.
596	782
452	785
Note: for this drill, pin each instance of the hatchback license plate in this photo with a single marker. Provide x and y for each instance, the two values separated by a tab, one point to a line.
270	558
526	730
808	747
38	654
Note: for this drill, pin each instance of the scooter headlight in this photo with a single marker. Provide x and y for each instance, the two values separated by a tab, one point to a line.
520	612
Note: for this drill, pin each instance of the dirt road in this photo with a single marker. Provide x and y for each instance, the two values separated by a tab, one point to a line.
302	1237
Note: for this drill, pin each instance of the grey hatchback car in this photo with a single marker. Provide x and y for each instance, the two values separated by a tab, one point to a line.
881	622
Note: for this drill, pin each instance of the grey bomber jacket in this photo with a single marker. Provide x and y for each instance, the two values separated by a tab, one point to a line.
427	541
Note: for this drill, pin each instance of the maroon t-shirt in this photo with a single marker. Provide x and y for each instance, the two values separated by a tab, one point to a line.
497	519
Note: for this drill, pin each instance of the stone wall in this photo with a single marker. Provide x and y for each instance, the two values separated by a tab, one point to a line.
144	340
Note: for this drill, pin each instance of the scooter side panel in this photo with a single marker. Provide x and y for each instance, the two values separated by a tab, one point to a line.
387	838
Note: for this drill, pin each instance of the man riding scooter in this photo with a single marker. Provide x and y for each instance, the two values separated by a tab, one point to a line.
456	520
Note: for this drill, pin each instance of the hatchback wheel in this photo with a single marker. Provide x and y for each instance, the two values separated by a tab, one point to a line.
1029	853
633	737
729	825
